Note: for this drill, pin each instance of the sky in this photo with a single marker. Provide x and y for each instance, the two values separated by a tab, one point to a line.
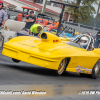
96	8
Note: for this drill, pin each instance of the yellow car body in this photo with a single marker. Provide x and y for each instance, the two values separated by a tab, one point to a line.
77	33
49	52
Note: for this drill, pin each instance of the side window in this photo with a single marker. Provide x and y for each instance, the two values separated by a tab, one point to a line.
48	3
39	1
76	39
56	5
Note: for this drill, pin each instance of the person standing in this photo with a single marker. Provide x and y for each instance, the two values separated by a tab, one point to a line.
36	30
30	20
98	35
97	42
3	15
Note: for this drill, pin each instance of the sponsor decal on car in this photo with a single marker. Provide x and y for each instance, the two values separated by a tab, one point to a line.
80	69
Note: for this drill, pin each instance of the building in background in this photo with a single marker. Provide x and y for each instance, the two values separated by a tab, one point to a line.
51	9
8	5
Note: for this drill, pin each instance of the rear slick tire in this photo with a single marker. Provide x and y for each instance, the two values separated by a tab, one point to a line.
96	70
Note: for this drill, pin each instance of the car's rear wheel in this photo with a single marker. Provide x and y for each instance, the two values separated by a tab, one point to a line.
15	60
62	66
96	70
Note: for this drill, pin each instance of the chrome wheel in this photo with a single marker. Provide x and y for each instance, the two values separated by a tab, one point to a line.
62	67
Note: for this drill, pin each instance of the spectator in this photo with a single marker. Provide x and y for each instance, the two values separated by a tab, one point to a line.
3	15
53	26
98	35
30	20
97	42
36	30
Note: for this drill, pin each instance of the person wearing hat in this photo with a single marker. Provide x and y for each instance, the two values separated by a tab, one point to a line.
3	15
30	20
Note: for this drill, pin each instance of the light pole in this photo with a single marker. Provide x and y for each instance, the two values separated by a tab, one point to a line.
61	14
44	6
96	15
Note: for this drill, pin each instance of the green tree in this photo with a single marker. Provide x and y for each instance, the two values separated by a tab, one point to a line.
84	12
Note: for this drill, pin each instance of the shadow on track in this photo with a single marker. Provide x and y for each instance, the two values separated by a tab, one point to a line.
44	71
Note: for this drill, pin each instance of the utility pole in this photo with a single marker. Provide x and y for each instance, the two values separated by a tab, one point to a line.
44	6
96	15
61	14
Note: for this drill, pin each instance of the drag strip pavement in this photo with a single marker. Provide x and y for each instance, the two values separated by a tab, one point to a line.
27	77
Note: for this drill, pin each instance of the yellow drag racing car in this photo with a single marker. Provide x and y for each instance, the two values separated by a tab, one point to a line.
51	52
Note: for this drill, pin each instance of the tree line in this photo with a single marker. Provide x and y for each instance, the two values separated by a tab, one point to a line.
85	13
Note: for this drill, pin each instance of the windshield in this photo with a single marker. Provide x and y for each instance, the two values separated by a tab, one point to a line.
75	45
67	32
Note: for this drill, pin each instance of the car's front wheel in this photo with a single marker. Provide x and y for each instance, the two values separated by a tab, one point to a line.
62	66
15	60
96	70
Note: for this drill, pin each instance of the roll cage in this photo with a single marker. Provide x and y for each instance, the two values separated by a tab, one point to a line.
90	45
67	30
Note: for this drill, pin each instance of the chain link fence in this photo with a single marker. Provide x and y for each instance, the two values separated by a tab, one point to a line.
81	28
